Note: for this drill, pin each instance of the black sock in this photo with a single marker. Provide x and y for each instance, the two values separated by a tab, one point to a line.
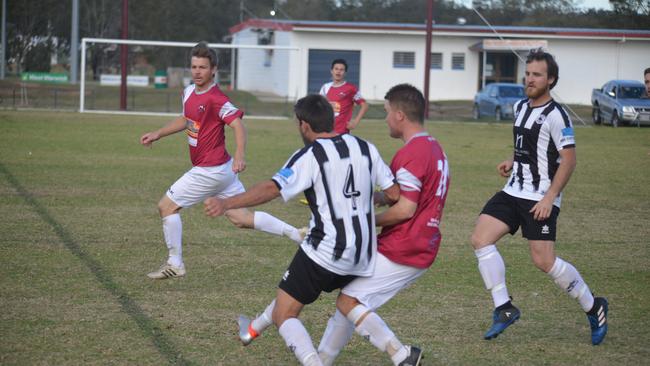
504	306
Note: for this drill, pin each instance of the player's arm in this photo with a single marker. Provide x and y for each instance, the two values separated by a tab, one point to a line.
177	125
387	197
505	167
355	121
542	209
260	193
239	162
401	211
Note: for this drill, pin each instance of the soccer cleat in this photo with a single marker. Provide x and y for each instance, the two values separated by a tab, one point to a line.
167	271
414	357
246	331
502	319
304	201
598	321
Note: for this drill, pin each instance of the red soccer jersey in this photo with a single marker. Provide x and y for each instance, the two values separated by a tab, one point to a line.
205	115
422	171
342	98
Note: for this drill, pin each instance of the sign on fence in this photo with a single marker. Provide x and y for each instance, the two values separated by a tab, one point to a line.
116	80
44	77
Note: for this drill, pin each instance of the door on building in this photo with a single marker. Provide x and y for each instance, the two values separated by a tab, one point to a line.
320	62
500	67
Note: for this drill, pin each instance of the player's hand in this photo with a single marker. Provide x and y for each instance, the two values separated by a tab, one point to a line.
238	165
148	138
214	206
378	199
505	167
352	125
542	209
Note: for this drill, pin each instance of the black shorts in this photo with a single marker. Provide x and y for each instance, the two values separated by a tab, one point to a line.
514	212
304	280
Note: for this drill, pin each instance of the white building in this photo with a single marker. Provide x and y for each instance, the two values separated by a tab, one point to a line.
381	55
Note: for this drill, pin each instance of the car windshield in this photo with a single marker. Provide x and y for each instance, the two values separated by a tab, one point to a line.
511	91
631	92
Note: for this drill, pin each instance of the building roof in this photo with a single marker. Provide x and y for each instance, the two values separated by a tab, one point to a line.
478	30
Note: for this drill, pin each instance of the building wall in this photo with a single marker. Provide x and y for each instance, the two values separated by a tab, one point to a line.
584	63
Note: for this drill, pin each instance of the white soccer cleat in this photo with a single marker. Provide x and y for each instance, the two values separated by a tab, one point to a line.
167	271
246	332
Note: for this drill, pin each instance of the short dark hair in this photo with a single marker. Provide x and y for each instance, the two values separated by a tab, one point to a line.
339	61
203	50
552	70
316	111
647	71
409	100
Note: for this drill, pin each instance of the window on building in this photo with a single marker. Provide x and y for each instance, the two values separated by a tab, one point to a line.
458	61
404	60
436	61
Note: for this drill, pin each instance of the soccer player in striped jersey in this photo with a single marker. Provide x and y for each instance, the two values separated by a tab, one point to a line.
206	110
410	238
343	96
337	174
544	159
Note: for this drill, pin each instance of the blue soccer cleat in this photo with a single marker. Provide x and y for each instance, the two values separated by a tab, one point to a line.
598	320
502	319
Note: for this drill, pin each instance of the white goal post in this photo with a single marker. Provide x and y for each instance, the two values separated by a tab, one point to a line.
85	42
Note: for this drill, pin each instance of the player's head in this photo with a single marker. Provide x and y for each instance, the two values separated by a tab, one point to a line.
338	69
203	64
646	80
542	73
315	111
404	103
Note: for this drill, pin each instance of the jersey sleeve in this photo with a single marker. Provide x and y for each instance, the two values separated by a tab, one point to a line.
382	176
409	175
561	130
297	175
357	98
228	112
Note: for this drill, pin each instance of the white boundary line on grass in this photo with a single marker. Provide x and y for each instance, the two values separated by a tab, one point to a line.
165	114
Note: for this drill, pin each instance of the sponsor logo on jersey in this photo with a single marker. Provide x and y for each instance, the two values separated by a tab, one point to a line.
540	119
201	108
568	136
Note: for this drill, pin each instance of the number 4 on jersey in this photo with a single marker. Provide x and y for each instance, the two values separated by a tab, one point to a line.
348	188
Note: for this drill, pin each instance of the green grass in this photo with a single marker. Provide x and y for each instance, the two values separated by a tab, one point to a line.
80	230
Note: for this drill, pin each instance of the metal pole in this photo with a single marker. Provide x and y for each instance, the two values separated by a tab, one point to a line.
82	85
4	39
74	43
123	53
427	58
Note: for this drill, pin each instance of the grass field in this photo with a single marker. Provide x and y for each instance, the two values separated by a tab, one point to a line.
80	230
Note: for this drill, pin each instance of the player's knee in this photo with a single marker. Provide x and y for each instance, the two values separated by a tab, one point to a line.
478	241
543	264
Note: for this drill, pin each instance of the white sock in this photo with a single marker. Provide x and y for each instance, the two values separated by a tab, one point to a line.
568	278
272	225
493	271
297	339
264	320
173	233
337	334
373	328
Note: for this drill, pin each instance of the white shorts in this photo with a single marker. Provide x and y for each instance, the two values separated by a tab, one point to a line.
202	182
389	279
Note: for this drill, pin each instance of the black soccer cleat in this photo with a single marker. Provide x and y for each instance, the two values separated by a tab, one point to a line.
598	320
414	357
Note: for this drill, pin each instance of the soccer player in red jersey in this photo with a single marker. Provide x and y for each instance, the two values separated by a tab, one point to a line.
343	96
206	110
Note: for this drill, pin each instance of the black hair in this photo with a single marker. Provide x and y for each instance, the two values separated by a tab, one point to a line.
409	100
339	61
316	111
552	70
647	71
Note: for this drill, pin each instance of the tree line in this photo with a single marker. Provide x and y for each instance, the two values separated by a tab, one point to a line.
37	29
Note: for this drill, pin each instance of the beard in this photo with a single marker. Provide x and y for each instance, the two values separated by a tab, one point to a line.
534	93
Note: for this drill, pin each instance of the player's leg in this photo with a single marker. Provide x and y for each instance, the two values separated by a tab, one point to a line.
387	281
567	277
498	218
372	327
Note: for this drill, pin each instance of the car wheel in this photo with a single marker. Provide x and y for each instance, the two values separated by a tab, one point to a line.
595	115
476	113
497	114
615	120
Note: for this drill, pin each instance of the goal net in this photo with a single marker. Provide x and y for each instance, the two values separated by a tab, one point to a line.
254	76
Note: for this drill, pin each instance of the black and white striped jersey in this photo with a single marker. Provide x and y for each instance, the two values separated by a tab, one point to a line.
338	176
539	134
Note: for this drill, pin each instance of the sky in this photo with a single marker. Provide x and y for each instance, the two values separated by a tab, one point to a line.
585	4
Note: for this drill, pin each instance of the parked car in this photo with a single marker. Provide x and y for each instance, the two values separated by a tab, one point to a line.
496	100
620	102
